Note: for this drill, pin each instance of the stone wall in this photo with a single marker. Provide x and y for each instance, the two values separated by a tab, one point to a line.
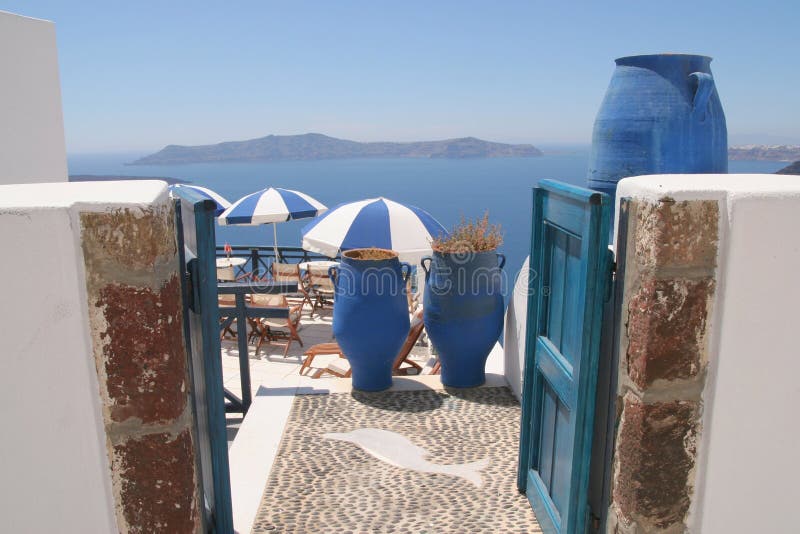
707	427
95	372
668	263
135	312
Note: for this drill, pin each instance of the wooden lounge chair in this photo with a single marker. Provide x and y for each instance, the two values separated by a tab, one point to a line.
321	286
402	366
290	272
265	328
412	297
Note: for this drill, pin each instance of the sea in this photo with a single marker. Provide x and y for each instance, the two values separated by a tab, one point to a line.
448	189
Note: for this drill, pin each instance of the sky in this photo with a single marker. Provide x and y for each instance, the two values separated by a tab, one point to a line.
137	76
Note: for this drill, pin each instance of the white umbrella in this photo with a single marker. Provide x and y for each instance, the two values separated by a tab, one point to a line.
375	222
272	205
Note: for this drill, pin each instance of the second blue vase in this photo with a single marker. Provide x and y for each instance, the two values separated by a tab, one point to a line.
463	312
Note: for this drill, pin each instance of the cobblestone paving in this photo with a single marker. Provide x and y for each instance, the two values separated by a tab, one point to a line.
322	485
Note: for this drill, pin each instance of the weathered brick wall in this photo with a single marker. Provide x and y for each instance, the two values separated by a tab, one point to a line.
135	310
670	258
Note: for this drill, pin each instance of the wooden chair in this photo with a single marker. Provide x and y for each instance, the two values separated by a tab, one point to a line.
342	368
290	272
265	327
321	286
228	274
226	301
412	297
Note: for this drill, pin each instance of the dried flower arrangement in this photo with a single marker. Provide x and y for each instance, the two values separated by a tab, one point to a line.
370	254
470	236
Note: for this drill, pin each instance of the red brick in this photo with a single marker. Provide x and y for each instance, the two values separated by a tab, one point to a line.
148	235
157	483
143	352
667	321
677	234
655	455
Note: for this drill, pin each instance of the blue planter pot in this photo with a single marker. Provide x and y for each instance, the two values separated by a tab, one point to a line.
463	312
370	316
661	114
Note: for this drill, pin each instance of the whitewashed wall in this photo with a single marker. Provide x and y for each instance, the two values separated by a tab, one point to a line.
514	333
54	464
32	145
747	469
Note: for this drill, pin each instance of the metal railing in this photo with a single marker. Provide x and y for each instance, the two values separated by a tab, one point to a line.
259	259
239	313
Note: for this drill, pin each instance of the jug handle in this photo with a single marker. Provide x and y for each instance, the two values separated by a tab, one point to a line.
333	273
705	86
405	271
428	268
501	260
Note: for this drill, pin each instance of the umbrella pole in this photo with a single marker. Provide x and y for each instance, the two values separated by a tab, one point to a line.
275	240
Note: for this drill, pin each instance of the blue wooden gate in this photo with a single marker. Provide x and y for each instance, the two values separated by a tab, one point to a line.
196	245
570	272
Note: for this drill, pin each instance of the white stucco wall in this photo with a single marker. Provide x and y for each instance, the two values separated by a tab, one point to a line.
514	333
32	145
747	470
54	464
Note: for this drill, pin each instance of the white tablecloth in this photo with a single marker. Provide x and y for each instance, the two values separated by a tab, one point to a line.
230	262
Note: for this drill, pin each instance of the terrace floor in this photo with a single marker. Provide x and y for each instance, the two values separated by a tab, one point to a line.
402	460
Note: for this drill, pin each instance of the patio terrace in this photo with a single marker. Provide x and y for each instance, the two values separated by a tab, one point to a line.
287	477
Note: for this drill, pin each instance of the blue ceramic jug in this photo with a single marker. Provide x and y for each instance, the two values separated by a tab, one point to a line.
463	312
370	314
661	114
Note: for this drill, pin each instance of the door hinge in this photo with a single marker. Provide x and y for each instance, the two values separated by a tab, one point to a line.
192	279
595	523
612	271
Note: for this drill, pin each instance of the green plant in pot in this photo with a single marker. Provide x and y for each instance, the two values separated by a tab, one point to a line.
463	301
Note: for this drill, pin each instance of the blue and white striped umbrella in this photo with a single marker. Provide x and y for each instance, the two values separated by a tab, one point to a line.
222	203
272	205
375	222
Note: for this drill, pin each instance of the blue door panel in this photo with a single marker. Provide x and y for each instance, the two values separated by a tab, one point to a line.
559	487
555	370
548	435
573	289
565	213
571	268
546	513
557	244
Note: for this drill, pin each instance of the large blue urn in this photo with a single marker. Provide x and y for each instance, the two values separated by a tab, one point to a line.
463	312
661	114
370	313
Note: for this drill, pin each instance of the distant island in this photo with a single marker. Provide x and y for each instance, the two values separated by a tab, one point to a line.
314	146
794	168
114	178
764	152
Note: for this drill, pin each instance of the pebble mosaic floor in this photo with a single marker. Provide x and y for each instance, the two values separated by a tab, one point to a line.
321	485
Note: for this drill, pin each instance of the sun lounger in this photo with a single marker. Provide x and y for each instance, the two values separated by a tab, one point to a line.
402	366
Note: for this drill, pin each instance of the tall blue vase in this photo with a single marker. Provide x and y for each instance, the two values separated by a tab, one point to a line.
463	312
661	114
370	315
